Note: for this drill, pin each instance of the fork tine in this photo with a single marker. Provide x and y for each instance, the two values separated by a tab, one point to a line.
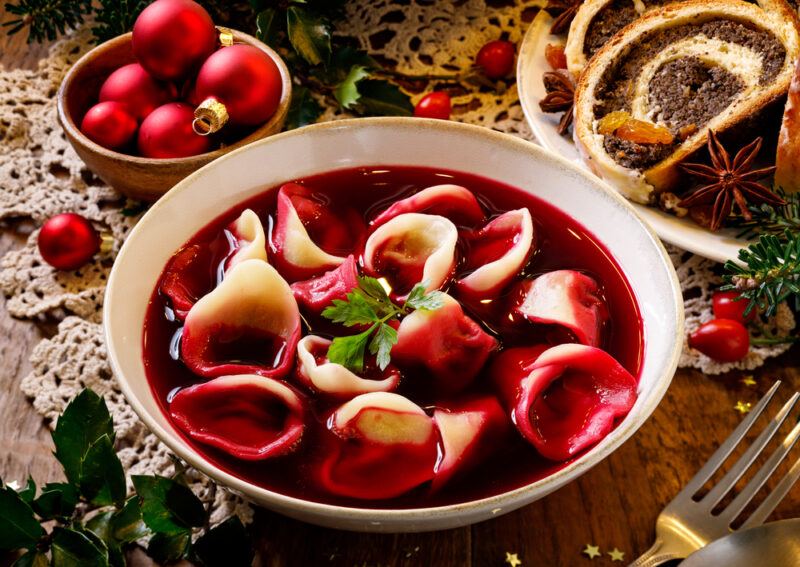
727	447
749	491
774	498
727	482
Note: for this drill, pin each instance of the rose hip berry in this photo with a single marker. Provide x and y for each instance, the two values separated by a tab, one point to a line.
434	105
496	58
725	306
724	340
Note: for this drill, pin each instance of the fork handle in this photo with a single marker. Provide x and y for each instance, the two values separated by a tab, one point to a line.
655	556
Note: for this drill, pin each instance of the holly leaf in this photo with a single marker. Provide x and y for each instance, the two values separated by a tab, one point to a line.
227	544
267	26
57	500
33	558
102	480
168	507
29	492
19	528
127	523
101	526
349	351
168	548
381	345
346	92
72	548
83	422
309	34
303	109
382	98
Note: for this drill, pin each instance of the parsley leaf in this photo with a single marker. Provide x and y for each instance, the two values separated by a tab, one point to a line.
418	299
349	351
381	345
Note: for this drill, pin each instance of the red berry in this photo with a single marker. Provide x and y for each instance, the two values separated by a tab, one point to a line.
109	124
67	241
726	307
724	340
433	105
496	58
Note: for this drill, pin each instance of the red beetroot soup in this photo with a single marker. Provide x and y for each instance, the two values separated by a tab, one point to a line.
561	353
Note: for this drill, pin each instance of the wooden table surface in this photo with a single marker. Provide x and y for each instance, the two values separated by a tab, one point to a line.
613	505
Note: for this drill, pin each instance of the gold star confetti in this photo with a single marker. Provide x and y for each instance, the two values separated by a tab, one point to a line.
748	381
616	555
743	407
592	551
512	559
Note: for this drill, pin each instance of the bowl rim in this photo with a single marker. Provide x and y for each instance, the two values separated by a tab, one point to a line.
73	130
497	502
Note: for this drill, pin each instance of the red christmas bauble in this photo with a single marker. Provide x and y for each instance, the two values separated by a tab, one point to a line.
167	133
109	124
137	88
172	38
67	241
245	80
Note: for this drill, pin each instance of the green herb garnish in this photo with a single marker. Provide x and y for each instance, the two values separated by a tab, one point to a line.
369	304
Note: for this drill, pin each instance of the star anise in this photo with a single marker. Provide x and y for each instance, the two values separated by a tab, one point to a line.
729	181
560	97
566	10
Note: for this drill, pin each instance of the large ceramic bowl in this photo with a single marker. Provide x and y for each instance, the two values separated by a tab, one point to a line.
244	173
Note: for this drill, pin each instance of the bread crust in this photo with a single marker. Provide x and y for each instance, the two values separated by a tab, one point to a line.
787	159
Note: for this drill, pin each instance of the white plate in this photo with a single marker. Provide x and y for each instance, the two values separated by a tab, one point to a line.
719	246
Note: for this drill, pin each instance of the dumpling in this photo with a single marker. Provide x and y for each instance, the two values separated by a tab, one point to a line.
453	202
249	324
247	416
497	253
567	298
315	371
316	294
386	447
412	248
247	239
469	431
446	342
309	238
563	399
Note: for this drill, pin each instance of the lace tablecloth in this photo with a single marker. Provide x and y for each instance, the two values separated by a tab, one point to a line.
41	176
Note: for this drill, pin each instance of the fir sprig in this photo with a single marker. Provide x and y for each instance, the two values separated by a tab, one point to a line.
770	274
369	304
47	19
771	220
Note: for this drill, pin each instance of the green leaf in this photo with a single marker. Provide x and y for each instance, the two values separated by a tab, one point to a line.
19	529
29	492
83	422
346	92
382	98
349	351
267	26
167	548
167	506
33	558
72	548
381	345
419	299
353	311
127	523
309	34
227	544
101	526
57	500
303	109
373	288
102	479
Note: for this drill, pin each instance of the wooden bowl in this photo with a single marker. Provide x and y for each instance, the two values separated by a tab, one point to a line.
138	177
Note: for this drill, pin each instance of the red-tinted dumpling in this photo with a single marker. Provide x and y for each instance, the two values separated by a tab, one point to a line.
450	201
184	278
316	294
249	324
497	253
446	342
247	416
567	298
563	399
247	239
386	446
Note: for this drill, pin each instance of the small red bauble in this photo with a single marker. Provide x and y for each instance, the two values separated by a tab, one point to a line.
138	89
244	80
724	340
67	241
167	133
109	124
172	38
433	105
496	58
725	306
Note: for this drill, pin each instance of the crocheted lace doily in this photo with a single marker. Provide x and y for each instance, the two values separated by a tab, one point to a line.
40	176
